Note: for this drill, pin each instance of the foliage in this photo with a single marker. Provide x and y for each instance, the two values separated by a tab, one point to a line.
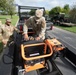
66	9
3	5
58	9
47	12
1	47
7	6
11	7
55	10
32	12
72	14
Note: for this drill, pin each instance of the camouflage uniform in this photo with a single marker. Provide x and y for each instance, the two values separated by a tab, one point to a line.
6	32
38	25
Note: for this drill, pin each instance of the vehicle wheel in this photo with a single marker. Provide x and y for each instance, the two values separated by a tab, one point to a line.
49	66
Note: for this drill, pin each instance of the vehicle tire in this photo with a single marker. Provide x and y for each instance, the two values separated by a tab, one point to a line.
49	66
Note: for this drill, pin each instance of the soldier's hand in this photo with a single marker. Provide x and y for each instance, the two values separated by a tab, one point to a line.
37	38
26	37
4	42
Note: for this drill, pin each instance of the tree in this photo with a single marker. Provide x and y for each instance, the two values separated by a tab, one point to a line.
47	12
55	10
10	8
72	14
32	12
3	5
7	6
66	9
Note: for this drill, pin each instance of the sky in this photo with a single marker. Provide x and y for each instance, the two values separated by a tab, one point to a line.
48	4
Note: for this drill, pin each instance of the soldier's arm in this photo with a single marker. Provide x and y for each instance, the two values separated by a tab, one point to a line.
25	29
16	29
43	28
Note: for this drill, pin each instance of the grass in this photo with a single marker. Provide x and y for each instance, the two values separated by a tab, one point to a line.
71	29
1	47
14	18
3	18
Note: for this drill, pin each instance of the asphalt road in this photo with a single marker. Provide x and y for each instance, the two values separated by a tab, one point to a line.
68	38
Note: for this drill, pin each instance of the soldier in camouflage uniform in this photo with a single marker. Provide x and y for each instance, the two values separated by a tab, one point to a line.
6	32
38	24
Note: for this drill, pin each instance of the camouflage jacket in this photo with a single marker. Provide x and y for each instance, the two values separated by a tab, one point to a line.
6	32
39	27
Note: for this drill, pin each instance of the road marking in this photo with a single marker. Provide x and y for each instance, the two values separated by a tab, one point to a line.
67	38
